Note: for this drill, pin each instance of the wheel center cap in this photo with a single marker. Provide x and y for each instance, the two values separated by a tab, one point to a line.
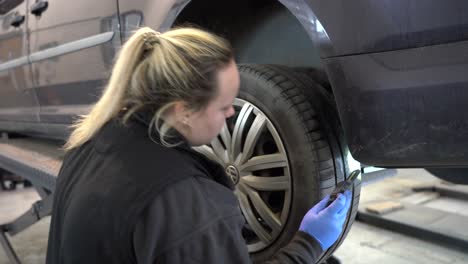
233	173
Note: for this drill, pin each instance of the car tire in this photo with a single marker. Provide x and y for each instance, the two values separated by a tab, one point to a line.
291	109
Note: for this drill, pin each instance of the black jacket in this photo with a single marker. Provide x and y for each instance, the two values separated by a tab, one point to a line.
122	198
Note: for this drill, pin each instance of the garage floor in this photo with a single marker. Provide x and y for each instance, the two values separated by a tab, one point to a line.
364	244
368	244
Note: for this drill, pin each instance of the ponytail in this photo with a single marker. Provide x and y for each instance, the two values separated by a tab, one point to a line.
111	100
154	70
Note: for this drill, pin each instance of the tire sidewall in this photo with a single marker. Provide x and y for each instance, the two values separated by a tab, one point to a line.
303	161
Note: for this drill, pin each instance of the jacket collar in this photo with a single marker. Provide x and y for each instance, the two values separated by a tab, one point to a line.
216	171
173	136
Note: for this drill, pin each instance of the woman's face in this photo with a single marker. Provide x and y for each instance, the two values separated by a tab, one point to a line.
207	123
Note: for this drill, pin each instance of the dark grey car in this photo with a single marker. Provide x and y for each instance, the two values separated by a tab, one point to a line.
385	81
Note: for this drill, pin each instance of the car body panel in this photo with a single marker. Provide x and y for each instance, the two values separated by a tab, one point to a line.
72	46
398	73
405	108
367	26
17	100
158	15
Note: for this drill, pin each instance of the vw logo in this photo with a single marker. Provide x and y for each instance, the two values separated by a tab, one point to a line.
233	173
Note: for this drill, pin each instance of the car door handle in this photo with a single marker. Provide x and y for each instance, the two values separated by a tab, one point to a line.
17	20
39	7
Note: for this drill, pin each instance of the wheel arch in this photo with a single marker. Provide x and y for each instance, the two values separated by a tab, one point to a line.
264	32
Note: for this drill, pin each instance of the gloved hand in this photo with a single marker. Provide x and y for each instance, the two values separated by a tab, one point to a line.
326	224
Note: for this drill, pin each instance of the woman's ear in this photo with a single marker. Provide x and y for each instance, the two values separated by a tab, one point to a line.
182	113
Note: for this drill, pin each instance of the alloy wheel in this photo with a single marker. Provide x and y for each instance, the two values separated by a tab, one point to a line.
254	157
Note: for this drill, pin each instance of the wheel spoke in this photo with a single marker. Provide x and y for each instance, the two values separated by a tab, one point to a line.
252	137
251	219
239	129
219	150
276	137
265	162
226	137
279	183
209	153
265	212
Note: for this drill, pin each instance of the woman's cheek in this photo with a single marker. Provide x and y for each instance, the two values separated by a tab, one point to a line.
221	121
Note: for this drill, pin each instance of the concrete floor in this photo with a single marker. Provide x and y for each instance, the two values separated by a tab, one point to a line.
364	244
367	244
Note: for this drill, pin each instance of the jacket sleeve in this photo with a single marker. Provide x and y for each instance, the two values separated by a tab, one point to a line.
186	225
222	244
302	249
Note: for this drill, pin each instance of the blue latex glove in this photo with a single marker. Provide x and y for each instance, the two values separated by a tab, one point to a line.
326	224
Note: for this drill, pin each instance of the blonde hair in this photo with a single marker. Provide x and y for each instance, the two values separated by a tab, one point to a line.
152	71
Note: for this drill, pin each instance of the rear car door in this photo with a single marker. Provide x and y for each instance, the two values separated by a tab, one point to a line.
18	105
72	48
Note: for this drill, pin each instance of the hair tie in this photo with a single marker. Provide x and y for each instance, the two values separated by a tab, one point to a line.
150	39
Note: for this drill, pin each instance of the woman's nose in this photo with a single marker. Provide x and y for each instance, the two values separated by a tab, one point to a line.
230	112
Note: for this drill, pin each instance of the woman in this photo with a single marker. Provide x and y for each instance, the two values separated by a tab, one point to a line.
131	189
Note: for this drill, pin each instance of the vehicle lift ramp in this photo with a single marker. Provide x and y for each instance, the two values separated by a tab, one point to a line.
38	161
